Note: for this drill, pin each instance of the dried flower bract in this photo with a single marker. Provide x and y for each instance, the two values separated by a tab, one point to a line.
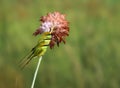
57	25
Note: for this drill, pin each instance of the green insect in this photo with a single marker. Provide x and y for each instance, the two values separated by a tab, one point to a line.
39	50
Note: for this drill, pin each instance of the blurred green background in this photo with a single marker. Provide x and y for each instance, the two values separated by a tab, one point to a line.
89	59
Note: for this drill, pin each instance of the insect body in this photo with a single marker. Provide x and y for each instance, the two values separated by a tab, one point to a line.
39	50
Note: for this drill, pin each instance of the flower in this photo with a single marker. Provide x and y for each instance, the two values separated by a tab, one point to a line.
57	25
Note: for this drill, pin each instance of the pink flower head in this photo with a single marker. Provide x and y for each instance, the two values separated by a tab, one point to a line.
57	25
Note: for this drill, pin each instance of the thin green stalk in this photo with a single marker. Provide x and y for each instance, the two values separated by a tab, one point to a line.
36	71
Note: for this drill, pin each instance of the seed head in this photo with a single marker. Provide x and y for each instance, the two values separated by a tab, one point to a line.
57	25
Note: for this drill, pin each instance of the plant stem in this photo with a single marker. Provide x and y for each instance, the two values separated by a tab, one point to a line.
36	71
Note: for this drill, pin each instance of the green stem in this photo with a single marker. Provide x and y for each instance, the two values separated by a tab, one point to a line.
36	71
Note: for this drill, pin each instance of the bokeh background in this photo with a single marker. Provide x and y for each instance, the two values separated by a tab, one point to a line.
89	59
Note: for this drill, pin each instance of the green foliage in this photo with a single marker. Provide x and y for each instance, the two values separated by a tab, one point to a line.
89	59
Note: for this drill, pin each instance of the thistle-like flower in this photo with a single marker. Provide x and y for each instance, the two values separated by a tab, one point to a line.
53	29
57	25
